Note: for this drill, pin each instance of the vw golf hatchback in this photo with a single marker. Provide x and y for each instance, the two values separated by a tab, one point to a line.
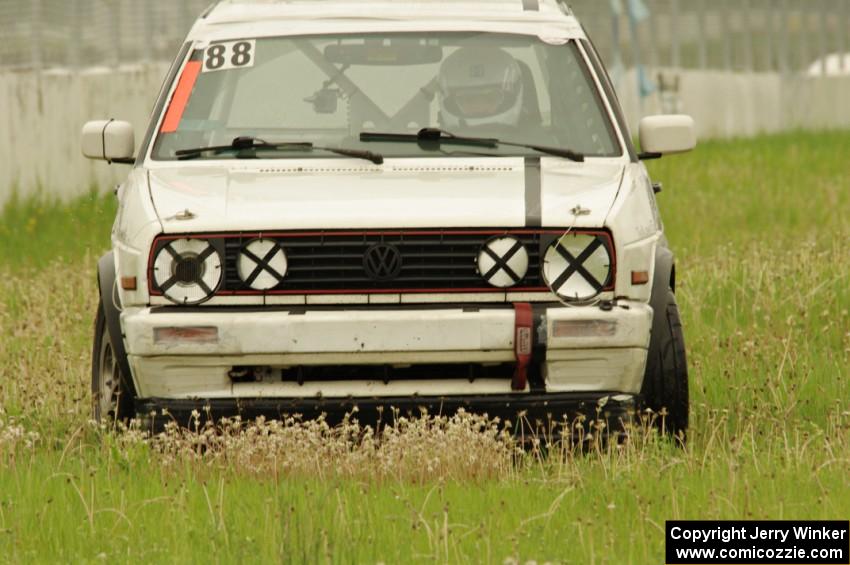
388	205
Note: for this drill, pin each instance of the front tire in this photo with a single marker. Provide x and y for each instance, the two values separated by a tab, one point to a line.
665	384
111	398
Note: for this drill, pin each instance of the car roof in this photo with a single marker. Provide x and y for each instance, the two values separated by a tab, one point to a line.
243	18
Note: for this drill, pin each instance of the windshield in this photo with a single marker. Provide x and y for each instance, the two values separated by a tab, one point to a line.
327	90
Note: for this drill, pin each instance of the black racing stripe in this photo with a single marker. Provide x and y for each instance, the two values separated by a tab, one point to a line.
533	187
531	5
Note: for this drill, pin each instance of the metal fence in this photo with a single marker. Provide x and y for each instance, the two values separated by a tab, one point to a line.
739	35
83	33
732	35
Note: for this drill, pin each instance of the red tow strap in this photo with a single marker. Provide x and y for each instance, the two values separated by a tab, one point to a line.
523	340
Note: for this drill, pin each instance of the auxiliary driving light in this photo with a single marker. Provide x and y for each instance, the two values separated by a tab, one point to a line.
577	266
503	261
262	264
187	271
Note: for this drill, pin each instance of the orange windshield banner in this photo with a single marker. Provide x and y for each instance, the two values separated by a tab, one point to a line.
181	97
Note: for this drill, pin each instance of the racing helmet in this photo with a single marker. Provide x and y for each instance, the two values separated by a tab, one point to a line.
479	87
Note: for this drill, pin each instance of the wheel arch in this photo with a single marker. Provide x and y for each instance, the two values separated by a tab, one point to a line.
665	383
665	275
109	299
663	281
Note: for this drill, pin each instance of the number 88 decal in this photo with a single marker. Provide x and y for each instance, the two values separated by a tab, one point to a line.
241	54
232	55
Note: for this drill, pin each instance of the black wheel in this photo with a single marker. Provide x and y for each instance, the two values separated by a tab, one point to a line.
665	384
112	400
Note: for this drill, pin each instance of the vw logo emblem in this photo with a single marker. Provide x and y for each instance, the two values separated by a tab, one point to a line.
382	262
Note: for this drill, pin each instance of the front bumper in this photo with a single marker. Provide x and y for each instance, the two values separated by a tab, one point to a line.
580	349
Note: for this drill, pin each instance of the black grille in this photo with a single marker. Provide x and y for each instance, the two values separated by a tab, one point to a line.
333	262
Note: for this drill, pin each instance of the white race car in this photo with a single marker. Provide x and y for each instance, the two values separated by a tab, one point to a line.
388	205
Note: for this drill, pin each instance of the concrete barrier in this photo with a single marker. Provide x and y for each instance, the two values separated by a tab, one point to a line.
41	115
727	105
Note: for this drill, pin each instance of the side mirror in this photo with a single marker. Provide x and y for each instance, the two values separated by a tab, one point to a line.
665	135
109	140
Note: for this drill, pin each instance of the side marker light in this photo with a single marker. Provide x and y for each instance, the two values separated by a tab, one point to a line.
640	278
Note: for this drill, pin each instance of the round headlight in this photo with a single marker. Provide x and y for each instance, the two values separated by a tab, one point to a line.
262	264
187	271
503	261
577	266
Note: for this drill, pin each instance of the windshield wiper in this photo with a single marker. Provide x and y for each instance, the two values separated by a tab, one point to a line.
431	138
247	143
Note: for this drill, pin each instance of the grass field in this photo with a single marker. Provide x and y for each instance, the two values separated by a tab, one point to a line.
761	229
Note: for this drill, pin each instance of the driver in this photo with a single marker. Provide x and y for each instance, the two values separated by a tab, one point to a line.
480	88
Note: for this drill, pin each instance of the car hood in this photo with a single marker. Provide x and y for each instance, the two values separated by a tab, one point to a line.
413	193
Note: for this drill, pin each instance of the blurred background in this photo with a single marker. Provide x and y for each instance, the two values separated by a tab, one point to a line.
740	67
